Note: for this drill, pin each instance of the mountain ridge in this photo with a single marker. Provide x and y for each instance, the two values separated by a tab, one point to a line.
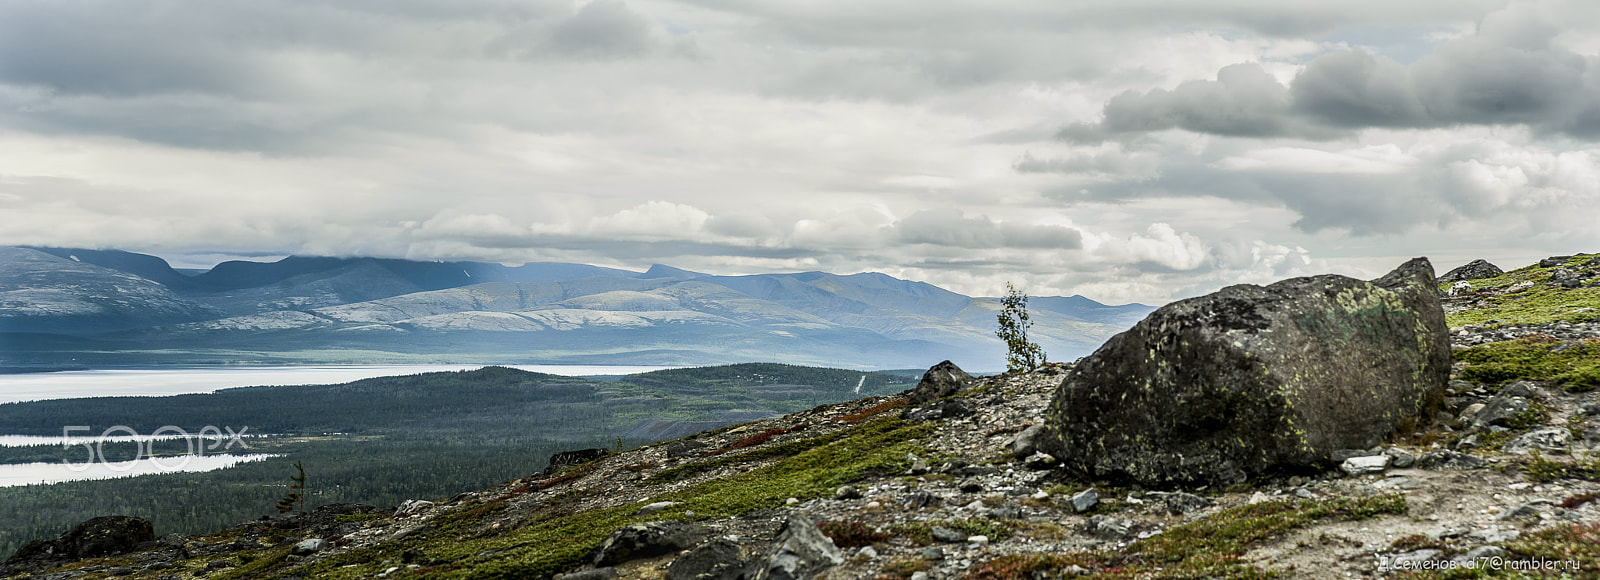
329	310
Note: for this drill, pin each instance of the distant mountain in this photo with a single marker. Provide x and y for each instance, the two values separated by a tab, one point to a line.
41	292
350	310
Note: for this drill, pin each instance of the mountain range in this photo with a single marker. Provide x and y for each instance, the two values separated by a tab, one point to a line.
66	307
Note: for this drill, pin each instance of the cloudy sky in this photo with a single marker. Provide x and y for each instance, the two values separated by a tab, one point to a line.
1126	150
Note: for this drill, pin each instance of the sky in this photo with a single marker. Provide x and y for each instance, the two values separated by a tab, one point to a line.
1126	150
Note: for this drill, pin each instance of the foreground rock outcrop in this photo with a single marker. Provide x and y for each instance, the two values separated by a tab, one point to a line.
1253	380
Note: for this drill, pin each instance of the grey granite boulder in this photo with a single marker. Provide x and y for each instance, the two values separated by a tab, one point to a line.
1252	380
941	381
801	552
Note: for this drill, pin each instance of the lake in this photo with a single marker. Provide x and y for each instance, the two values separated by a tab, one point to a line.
44	473
158	382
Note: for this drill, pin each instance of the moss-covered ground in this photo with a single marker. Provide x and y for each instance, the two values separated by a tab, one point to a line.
1208	548
1575	367
1536	303
562	541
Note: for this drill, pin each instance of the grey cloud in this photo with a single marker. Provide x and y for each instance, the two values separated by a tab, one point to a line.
602	29
1509	72
952	228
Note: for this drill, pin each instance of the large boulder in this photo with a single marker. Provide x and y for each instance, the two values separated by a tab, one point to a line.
647	540
1474	270
942	380
1251	381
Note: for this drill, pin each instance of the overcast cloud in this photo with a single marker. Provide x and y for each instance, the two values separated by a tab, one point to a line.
1135	150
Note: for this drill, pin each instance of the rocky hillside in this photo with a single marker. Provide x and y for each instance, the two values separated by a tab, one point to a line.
1496	473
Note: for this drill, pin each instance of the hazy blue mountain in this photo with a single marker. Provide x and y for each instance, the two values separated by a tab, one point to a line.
44	293
350	310
144	266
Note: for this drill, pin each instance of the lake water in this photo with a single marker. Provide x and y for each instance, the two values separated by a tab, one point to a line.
42	473
158	382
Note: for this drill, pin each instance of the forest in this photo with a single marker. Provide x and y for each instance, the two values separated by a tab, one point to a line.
384	440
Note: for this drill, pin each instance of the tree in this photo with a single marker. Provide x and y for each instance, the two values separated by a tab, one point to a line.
1021	354
296	496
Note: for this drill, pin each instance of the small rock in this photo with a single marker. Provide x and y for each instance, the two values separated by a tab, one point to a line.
791	501
846	492
867	552
946	535
920	499
942	380
655	507
412	507
1498	411
1546	440
1526	511
1258	497
1340	455
1180	503
918	467
920	575
1445	459
308	547
1371	464
934	554
971	486
1085	500
1399	459
978	541
1468	442
1005	513
683	448
1039	461
1304	493
1109	528
1026	442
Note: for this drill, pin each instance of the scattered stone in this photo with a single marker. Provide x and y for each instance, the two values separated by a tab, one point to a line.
646	540
971	486
1459	288
1039	461
1399	458
942	380
978	541
1259	497
1526	511
920	499
308	547
1085	500
1474	270
867	552
1445	459
1498	411
918	467
1522	389
655	507
412	507
684	448
1250	380
1005	513
846	492
1546	440
946	535
934	554
1567	278
1027	442
718	559
800	552
1357	466
1468	442
1179	503
1109	528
